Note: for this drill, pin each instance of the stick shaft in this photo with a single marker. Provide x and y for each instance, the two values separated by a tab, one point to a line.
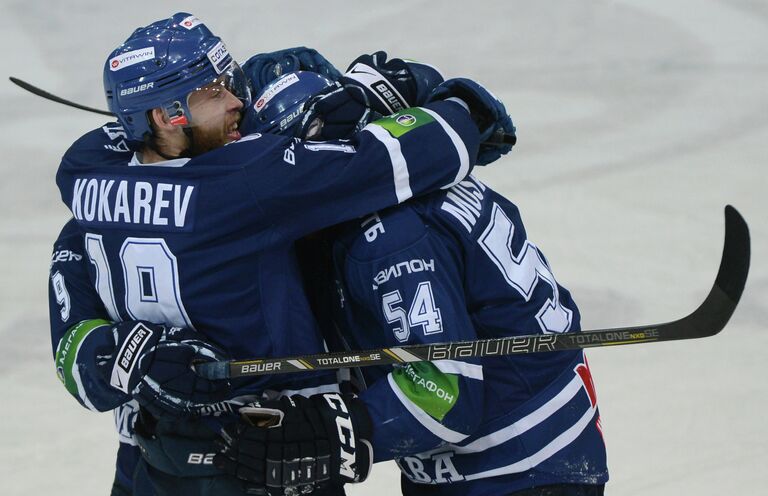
708	319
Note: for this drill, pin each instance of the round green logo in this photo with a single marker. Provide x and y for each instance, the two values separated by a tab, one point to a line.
406	120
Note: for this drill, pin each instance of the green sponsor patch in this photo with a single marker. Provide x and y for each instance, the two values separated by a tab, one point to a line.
406	120
431	390
66	352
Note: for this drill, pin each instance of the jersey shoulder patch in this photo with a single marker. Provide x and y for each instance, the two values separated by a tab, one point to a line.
383	233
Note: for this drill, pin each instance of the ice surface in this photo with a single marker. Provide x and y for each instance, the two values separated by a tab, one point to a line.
638	122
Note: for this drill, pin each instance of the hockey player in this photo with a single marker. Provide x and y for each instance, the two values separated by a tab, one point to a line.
455	265
189	243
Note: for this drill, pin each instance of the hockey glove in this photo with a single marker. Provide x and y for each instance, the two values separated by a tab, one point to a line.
263	68
296	445
486	111
372	87
152	364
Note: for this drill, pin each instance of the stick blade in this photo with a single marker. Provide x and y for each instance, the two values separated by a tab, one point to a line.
734	265
713	314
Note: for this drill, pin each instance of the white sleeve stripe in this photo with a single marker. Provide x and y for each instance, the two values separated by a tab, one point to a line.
526	423
464	369
423	418
557	444
461	149
399	164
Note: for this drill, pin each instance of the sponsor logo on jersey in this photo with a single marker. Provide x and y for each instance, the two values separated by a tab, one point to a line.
116	132
120	147
396	270
128	356
190	22
428	388
277	87
403	122
406	120
136	89
65	256
219	57
104	201
128	59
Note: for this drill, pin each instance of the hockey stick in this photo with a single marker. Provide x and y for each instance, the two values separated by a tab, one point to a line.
498	139
707	320
49	96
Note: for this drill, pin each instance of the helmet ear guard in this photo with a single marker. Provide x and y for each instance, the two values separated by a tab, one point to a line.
158	66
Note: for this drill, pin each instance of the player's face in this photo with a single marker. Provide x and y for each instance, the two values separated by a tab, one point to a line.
215	112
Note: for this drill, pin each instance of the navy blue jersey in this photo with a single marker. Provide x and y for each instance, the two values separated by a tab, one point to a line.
457	265
207	243
80	334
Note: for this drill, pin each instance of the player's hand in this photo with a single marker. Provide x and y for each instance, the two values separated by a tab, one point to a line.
263	68
296	445
153	364
486	111
372	87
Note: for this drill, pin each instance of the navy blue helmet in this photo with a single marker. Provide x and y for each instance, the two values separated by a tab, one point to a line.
280	106
159	65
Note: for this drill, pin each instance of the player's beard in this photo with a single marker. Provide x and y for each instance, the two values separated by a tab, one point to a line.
203	140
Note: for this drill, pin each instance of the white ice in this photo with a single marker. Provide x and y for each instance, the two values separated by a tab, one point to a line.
638	121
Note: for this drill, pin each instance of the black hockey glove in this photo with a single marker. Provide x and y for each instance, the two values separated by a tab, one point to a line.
152	364
372	87
296	445
486	111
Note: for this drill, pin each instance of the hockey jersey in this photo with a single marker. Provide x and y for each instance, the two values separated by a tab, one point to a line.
207	242
452	266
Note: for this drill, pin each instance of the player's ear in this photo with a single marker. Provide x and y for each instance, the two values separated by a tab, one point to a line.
159	119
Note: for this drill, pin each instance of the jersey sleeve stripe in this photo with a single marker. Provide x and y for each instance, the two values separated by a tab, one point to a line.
469	370
557	444
399	164
526	423
461	148
423	418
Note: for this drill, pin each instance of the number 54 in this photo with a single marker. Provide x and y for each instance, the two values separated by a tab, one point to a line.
423	312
